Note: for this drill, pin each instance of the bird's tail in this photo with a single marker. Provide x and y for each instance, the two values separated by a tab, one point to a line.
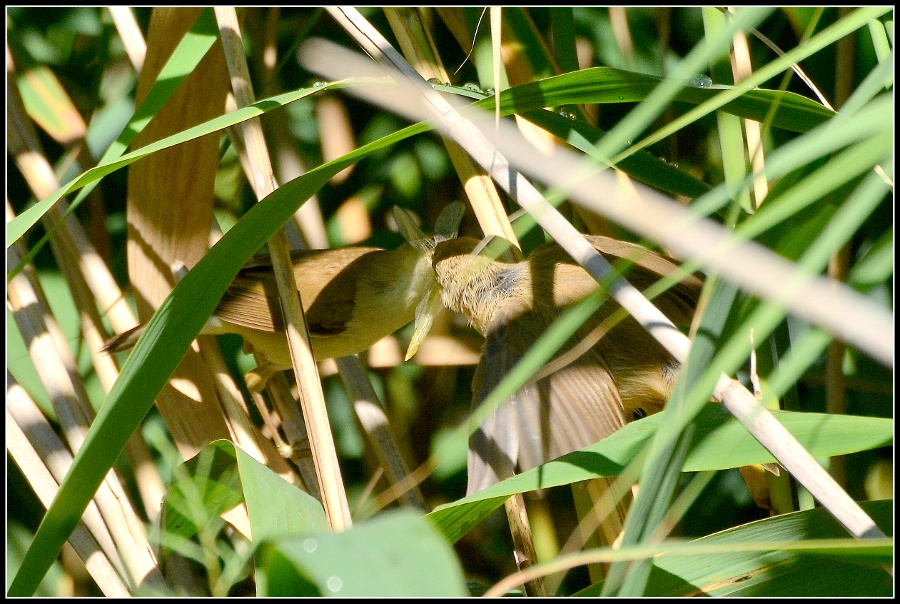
124	341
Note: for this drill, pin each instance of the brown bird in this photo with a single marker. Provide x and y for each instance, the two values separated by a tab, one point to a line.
352	297
624	375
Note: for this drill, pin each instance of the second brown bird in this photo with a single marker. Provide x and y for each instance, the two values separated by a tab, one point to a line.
625	375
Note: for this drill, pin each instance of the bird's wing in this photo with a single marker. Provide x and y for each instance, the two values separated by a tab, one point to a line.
252	298
565	411
647	267
493	449
252	301
679	302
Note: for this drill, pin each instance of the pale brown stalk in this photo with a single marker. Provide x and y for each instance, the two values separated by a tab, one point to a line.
741	67
130	34
417	45
170	215
88	277
49	350
375	425
262	180
102	563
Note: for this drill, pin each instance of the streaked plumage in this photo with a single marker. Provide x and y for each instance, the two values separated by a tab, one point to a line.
625	375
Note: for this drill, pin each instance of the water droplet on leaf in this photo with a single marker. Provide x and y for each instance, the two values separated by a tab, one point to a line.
701	81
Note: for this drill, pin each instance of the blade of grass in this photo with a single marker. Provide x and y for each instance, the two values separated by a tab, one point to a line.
626	129
586	86
749	570
719	443
664	457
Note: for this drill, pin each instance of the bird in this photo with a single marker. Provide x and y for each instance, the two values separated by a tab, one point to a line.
593	391
351	298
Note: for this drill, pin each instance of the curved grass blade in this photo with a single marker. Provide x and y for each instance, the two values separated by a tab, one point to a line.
642	165
592	85
719	442
856	569
18	226
794	112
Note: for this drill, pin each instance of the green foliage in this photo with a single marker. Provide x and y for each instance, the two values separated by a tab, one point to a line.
411	559
802	554
649	112
718	442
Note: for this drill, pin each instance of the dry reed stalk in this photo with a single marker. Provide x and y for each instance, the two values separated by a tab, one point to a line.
130	34
102	563
58	373
307	227
288	417
377	428
49	350
742	68
89	279
262	180
605	514
44	460
480	189
418	46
